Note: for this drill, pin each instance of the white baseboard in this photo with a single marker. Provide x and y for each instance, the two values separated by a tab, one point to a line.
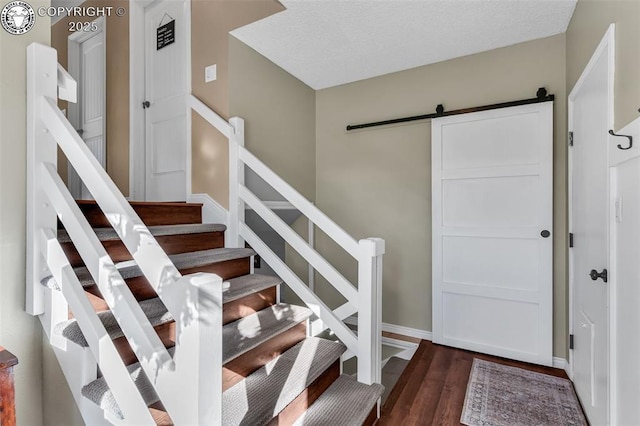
558	362
212	211
563	364
407	331
397	329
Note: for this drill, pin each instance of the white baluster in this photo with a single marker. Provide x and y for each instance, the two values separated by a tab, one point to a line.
236	178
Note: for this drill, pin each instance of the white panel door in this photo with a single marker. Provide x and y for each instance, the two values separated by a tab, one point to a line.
166	114
88	54
590	118
492	194
625	277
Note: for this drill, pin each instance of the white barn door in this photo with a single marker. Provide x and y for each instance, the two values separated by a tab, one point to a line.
492	199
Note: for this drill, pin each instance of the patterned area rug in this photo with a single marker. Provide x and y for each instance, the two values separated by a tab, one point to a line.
499	395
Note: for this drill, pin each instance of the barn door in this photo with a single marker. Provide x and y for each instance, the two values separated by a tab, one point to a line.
492	193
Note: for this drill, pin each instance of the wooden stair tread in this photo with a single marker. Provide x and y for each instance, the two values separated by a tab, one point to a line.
291	373
109	234
238	337
346	402
129	269
247	333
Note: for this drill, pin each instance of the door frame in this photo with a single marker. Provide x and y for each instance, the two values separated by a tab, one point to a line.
74	41
605	47
137	151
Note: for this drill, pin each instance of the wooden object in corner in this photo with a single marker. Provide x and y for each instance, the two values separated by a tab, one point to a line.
7	391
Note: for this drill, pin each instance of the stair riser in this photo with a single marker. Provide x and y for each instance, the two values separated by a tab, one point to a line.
171	244
299	405
234	371
151	213
248	305
251	360
142	290
372	418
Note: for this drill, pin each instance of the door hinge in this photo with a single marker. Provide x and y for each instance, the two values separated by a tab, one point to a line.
570	239
571	341
570	138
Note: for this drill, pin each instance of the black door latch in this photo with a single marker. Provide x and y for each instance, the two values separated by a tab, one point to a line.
595	275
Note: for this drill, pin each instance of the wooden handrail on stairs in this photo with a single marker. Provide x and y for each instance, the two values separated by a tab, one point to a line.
7	390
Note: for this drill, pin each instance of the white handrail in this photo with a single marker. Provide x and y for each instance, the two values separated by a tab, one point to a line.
300	288
300	245
67	86
368	253
115	373
107	277
190	383
322	221
209	115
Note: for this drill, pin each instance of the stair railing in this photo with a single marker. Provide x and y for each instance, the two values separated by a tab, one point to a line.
189	383
365	299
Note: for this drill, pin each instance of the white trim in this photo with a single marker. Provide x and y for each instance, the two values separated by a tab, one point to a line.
136	97
188	139
408	349
407	331
397	329
212	211
397	343
563	364
607	43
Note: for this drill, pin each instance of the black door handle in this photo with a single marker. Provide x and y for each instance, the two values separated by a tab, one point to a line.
146	104
595	275
545	233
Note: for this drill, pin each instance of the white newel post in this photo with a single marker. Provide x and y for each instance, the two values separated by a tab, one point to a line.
42	81
236	178
370	310
199	352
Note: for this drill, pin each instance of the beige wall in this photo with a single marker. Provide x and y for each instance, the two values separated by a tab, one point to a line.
587	27
211	22
117	85
19	333
279	112
377	182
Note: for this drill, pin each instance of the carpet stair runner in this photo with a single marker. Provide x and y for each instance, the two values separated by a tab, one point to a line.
272	374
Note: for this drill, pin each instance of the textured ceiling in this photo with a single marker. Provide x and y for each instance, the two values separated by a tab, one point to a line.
326	43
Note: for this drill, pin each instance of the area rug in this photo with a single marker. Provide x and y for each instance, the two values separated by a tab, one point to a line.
499	395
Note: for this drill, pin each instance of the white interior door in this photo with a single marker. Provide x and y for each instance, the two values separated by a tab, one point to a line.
87	60
625	277
590	118
492	194
166	115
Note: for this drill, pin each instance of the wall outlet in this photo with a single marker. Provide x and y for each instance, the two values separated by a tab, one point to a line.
210	73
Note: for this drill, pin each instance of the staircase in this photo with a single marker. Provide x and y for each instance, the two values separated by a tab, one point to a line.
157	318
272	373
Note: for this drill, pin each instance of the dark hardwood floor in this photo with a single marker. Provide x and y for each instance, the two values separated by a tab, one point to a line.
432	388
